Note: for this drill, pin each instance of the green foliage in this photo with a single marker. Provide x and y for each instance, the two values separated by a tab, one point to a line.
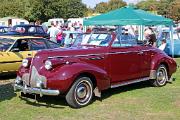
42	9
133	102
108	6
167	8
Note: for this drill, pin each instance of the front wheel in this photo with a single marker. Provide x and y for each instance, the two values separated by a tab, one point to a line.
161	76
81	93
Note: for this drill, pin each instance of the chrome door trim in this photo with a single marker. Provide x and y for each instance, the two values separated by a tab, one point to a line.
130	82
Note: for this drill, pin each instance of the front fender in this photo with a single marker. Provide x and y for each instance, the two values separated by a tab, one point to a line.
64	76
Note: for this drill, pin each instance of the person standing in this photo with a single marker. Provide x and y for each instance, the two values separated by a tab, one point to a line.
53	31
150	36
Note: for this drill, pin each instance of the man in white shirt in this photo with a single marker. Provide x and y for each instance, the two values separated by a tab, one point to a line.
163	45
53	31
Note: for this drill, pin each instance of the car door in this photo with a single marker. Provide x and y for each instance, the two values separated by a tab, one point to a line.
10	61
124	60
12	58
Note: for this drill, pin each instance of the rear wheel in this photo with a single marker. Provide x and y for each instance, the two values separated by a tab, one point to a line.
81	93
161	76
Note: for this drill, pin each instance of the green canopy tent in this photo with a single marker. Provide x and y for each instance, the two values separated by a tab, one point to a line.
130	16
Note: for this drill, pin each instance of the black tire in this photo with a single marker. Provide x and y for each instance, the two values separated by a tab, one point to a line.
161	76
81	93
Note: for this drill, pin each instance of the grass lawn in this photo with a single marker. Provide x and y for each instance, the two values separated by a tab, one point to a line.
133	102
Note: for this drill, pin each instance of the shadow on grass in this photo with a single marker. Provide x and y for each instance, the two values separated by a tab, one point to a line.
46	101
118	90
6	92
60	102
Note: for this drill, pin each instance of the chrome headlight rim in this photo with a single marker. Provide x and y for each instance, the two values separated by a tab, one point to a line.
25	62
48	64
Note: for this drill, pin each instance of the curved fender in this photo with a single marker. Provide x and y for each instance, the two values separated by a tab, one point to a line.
63	77
161	58
157	60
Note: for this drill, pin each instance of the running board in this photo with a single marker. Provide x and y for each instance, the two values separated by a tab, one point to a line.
130	82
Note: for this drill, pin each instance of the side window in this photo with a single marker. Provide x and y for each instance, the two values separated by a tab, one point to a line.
124	40
20	29
1	30
32	30
40	30
52	44
37	44
21	45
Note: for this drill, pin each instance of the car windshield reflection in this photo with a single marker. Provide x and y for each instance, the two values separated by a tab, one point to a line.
94	39
5	44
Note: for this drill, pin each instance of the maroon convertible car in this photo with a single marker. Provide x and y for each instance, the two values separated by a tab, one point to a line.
102	61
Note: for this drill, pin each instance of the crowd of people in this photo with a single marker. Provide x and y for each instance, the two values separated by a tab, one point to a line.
56	34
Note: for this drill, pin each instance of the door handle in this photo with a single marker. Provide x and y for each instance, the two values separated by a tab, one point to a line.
29	54
140	53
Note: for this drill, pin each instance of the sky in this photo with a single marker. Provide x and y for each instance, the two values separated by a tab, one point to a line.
92	3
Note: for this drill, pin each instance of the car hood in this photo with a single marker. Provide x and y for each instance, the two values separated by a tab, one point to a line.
71	53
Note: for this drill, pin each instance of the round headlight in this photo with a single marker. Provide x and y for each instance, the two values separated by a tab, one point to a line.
25	62
48	64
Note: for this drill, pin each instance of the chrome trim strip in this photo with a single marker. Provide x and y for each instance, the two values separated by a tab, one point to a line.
91	54
130	82
111	53
36	90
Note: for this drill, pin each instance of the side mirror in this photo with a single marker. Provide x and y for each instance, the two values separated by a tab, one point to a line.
15	50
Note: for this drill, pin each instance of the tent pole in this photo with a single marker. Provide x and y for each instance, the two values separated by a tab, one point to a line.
119	31
141	32
172	41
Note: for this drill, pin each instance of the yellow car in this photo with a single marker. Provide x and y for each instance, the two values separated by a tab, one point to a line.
14	49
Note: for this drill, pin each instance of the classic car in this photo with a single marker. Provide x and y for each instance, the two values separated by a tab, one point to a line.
4	29
107	60
14	49
27	30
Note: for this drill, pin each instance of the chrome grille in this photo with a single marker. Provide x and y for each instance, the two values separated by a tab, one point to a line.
35	76
25	78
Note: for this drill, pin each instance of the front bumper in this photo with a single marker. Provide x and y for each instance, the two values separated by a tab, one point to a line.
39	91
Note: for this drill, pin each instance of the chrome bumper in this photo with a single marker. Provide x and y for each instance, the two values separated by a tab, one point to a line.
39	91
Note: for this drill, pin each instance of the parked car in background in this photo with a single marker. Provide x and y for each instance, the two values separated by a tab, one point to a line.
176	40
14	49
4	29
105	61
27	30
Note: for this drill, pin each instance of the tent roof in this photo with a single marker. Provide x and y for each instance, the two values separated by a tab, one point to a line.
128	16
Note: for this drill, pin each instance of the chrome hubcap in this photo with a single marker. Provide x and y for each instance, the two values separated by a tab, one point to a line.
161	75
83	92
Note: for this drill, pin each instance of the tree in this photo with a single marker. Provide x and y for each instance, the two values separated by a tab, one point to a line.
149	5
115	4
175	10
42	9
108	6
102	7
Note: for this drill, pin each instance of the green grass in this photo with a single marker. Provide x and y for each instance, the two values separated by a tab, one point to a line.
134	102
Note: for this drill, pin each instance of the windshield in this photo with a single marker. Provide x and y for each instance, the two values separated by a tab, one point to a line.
5	44
95	39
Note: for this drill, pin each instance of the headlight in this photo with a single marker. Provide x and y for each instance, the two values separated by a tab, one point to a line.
48	65
25	62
